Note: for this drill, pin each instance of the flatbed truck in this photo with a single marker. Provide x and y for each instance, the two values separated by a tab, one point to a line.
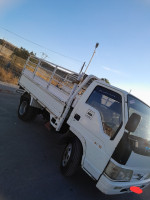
106	130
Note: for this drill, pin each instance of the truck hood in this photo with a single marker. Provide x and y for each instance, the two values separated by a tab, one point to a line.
138	160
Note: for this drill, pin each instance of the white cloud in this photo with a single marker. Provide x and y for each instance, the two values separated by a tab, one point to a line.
111	70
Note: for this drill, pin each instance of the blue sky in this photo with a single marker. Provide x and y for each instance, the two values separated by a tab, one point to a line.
122	27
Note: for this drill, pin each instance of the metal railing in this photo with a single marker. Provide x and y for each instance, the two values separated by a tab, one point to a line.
53	74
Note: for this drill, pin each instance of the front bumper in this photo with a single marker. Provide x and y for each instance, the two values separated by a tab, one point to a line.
110	187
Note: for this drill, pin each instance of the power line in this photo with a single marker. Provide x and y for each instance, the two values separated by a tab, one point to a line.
40	45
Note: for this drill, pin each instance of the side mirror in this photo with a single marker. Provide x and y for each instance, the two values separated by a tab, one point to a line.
133	122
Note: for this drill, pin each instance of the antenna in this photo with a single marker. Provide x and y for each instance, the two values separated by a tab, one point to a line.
82	68
97	44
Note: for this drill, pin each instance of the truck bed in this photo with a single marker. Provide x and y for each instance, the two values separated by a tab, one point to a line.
51	96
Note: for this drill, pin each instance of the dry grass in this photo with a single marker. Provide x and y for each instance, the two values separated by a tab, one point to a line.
7	76
10	74
56	81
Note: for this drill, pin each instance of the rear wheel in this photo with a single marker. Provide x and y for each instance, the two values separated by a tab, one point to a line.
25	111
71	158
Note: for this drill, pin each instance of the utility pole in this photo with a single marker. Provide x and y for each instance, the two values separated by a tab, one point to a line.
44	55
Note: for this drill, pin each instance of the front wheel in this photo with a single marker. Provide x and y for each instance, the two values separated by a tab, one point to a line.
25	111
71	158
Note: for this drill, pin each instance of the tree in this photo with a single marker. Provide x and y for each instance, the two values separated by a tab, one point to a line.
2	42
22	52
32	53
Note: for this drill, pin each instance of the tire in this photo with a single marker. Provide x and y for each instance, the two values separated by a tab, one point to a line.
71	157
25	111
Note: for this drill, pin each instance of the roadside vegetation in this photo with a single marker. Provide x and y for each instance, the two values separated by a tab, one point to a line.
8	76
8	72
12	60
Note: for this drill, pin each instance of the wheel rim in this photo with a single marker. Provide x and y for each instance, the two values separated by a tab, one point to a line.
23	107
67	155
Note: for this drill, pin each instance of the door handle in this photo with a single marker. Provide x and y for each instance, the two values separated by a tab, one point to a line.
77	117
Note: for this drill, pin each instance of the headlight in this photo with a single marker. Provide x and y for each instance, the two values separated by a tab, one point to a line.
117	173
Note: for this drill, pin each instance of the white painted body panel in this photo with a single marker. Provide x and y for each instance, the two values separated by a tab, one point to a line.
99	147
139	160
51	89
47	99
109	187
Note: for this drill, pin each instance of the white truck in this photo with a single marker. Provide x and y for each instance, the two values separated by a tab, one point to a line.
106	130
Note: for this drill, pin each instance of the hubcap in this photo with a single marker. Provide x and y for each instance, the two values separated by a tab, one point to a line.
23	108
66	155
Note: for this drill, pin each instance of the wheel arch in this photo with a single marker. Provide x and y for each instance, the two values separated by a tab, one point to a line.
25	95
71	134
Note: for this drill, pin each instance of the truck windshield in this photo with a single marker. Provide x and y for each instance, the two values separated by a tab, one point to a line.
140	139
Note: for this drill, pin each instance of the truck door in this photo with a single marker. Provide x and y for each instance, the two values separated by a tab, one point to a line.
98	117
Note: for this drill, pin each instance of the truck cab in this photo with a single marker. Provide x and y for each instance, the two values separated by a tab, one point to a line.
115	157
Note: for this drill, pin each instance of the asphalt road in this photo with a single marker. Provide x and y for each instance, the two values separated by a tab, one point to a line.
30	157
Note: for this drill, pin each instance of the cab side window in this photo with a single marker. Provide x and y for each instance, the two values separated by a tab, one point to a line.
109	105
